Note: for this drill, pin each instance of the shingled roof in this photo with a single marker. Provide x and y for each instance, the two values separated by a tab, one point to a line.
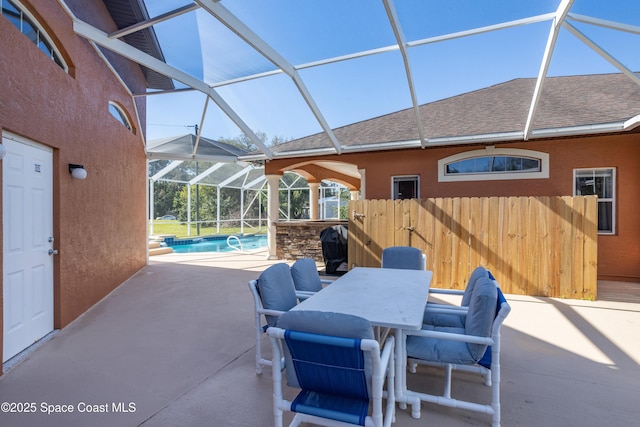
581	103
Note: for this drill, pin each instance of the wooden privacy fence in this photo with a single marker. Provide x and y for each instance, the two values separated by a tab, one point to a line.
541	246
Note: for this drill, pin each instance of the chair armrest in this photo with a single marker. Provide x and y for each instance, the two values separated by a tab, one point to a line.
303	295
326	281
445	291
473	339
269	312
446	309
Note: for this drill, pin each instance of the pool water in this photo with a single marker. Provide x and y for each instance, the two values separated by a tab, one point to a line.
219	244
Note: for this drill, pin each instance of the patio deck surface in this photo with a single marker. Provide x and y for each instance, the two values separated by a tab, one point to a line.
174	346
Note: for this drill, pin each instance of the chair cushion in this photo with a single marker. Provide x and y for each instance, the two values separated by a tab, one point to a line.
482	311
488	355
442	319
478	322
403	257
327	323
277	291
344	409
478	273
305	275
439	350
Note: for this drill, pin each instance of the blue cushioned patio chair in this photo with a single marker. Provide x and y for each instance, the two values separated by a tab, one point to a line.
273	294
338	367
403	257
451	315
306	278
464	348
454	316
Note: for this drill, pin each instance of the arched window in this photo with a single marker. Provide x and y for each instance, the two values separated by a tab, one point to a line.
494	164
27	24
117	112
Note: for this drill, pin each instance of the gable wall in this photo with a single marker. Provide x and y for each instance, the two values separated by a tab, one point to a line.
99	223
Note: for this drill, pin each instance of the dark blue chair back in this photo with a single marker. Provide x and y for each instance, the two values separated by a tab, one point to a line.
327	367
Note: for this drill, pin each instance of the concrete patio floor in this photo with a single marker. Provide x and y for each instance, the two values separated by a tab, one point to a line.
174	346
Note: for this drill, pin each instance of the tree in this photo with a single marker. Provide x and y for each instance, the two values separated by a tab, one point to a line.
204	210
164	195
164	192
244	142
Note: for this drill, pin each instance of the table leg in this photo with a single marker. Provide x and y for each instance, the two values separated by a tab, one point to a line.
401	370
402	396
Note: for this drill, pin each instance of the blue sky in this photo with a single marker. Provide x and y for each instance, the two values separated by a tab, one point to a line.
358	89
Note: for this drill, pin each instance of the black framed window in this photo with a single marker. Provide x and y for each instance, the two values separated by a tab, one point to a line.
406	187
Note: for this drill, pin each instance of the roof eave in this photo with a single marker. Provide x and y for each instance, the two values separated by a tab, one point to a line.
145	39
583	130
632	123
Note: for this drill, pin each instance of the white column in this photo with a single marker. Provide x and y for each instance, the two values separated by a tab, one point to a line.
313	200
189	210
363	183
242	211
150	202
354	194
217	209
273	184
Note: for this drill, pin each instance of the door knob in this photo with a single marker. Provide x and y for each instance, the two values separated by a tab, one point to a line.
53	252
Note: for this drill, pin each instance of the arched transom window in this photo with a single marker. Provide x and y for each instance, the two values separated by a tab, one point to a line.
117	112
494	164
27	24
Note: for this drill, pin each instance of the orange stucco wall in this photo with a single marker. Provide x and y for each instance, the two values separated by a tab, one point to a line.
618	255
99	223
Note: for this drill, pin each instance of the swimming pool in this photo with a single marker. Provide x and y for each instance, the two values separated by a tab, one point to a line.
218	244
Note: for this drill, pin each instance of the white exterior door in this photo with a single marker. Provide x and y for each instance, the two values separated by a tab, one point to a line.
27	216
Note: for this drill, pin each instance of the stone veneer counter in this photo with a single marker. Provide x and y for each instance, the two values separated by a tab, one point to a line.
301	239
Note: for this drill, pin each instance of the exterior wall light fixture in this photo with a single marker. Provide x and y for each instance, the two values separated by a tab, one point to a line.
77	171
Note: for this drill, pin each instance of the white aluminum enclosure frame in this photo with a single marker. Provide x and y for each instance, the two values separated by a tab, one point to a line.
560	18
257	184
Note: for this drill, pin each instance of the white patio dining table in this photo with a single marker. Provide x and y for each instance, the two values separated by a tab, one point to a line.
386	297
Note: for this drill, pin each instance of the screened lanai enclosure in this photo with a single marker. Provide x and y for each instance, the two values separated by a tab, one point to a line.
192	198
249	66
